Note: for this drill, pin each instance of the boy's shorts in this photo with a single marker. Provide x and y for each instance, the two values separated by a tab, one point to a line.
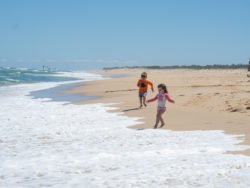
143	94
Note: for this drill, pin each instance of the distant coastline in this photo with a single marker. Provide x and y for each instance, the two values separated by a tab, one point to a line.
196	67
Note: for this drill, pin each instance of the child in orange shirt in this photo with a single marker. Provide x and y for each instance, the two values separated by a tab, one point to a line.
143	88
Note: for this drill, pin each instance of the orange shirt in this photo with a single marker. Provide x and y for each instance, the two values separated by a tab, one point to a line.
143	85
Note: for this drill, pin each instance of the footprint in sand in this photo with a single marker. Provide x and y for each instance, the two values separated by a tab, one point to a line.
231	109
234	110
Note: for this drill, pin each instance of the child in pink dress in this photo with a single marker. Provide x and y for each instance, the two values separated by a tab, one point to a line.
162	97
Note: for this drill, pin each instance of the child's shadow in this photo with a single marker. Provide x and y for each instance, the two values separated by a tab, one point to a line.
131	109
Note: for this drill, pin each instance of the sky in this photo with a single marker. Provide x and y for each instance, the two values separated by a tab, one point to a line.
88	34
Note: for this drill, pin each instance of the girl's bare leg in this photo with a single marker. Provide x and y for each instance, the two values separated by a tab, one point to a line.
161	119
157	120
162	122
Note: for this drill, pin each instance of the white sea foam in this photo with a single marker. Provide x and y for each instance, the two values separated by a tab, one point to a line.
49	144
80	75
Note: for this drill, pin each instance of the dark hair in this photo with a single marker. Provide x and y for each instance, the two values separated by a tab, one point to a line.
144	74
164	87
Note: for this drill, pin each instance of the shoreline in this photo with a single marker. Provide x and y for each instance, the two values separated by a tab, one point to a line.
187	114
57	94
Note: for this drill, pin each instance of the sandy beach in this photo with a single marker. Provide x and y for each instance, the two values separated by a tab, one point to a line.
205	99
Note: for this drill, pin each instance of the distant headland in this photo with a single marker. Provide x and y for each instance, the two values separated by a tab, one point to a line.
196	67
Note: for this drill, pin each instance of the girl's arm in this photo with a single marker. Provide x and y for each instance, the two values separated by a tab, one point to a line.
153	99
169	99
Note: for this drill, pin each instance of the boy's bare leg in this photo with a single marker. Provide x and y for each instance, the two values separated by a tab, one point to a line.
144	101
140	102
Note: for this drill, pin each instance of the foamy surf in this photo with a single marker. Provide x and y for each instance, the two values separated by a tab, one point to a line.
49	144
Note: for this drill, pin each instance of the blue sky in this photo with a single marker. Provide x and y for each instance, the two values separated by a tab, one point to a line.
78	34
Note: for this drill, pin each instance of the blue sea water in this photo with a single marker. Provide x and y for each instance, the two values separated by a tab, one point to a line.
60	81
10	76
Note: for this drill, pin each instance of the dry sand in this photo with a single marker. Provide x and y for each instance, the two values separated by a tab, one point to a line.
205	99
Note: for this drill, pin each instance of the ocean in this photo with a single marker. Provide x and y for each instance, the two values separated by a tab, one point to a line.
53	143
59	80
9	76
